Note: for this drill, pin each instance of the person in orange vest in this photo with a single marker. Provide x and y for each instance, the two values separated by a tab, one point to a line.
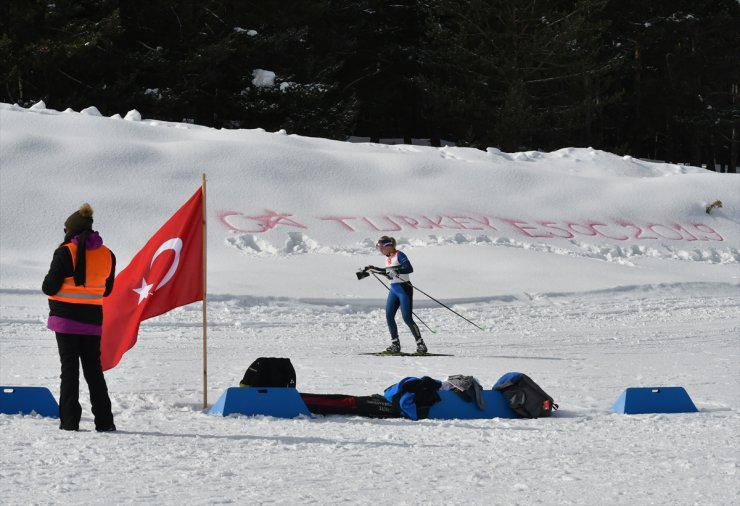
81	274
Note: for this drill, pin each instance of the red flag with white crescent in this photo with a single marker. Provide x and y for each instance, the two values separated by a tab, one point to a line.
166	273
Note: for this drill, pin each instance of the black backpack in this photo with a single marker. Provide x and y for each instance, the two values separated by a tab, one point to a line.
269	372
525	396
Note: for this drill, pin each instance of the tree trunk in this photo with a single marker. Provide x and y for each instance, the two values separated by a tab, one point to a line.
711	155
733	142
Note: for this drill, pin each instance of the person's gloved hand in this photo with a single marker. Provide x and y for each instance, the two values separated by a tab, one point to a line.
391	274
370	268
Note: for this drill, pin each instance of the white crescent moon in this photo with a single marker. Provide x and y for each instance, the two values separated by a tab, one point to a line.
176	246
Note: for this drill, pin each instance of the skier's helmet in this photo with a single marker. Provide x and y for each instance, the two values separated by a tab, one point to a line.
385	241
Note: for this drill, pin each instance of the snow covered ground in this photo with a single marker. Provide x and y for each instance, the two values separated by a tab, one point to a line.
593	273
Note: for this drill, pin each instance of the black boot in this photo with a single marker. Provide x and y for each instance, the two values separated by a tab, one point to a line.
420	346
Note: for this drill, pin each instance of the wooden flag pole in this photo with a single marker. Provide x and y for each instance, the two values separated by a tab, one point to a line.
205	336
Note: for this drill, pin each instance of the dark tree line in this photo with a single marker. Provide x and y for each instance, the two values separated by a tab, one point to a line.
656	79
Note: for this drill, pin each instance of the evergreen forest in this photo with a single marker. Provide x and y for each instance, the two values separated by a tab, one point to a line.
655	79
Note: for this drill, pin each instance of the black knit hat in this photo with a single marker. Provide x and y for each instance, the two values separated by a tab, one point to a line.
79	220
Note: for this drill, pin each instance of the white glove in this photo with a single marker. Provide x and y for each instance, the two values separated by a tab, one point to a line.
392	274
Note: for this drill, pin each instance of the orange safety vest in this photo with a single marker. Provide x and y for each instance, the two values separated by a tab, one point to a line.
98	263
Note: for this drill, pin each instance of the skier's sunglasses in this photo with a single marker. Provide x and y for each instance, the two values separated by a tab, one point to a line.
381	245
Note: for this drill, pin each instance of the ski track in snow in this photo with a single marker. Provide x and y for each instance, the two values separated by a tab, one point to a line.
582	350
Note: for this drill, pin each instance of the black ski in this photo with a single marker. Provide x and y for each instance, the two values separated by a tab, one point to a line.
404	354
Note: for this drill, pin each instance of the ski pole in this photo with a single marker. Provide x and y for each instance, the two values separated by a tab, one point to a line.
415	315
445	306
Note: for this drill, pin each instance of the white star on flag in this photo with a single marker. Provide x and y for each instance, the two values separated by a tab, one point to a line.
143	291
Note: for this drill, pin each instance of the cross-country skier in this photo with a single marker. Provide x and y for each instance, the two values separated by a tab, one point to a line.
401	293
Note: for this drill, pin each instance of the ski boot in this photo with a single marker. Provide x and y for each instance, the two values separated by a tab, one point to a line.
395	346
420	346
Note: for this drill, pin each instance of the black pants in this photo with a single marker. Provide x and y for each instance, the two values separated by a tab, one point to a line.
73	350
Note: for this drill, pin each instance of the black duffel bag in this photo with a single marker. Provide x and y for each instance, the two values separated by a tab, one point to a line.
269	372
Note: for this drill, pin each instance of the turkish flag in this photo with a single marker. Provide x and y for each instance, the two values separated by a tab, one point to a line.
165	274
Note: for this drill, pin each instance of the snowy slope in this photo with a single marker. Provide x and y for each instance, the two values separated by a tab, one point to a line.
279	204
594	273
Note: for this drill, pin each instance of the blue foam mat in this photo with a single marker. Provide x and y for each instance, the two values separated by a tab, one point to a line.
287	403
641	400
277	402
16	400
453	407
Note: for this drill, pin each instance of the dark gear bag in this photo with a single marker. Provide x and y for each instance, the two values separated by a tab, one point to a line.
376	406
269	372
370	406
413	396
525	397
330	404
